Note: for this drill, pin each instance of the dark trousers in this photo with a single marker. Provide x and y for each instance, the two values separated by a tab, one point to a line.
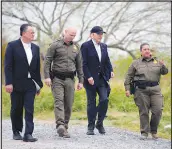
20	99
101	109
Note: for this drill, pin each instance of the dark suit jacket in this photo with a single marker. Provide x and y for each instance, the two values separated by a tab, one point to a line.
17	67
91	64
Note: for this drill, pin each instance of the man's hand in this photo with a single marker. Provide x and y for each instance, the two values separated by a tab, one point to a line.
79	86
38	92
161	62
91	80
48	82
9	88
112	74
127	93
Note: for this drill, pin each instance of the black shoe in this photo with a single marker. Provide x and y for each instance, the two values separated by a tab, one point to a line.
90	132
17	136
29	138
91	126
100	128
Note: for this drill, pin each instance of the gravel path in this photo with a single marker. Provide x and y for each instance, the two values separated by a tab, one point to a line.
48	139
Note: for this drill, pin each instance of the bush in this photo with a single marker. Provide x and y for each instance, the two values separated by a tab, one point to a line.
117	100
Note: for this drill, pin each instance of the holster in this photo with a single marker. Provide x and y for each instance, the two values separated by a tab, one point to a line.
132	88
141	84
51	75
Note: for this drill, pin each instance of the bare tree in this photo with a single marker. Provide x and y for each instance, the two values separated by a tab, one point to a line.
46	17
143	24
127	24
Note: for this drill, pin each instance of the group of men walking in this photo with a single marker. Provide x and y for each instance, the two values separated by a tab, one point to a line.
64	60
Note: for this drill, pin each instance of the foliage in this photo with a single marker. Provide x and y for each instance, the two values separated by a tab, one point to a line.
117	99
4	45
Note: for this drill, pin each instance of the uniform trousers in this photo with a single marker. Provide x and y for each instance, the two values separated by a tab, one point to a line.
149	99
63	93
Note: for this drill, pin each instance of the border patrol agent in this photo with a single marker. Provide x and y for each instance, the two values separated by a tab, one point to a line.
64	57
145	72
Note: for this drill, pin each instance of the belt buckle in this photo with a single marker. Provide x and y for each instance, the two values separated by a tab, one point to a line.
61	77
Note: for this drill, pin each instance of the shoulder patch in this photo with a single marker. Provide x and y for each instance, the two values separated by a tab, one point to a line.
75	47
155	61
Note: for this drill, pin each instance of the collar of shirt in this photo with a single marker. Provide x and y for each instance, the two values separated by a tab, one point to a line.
26	45
147	59
98	49
70	43
95	43
27	48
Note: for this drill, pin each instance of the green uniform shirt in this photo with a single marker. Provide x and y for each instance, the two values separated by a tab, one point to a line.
145	69
65	58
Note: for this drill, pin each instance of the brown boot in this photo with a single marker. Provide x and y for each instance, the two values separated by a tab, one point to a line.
66	126
61	130
66	134
154	136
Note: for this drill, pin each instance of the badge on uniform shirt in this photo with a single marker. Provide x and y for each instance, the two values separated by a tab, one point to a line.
154	61
75	48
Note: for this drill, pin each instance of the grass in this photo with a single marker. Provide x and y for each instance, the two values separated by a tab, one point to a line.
122	113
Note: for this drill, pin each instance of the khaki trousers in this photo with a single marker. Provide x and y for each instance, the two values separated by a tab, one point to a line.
149	99
63	92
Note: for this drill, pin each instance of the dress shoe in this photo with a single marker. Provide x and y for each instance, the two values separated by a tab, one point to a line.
17	136
90	132
100	128
29	138
91	126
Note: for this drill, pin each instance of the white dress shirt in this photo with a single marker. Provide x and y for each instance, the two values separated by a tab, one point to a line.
98	49
28	51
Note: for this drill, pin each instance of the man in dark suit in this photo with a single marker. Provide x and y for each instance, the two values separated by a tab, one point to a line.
23	81
96	68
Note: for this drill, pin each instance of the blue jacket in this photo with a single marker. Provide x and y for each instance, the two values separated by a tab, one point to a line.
91	64
16	65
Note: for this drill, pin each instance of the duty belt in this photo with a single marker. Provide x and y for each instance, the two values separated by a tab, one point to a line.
146	83
63	75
